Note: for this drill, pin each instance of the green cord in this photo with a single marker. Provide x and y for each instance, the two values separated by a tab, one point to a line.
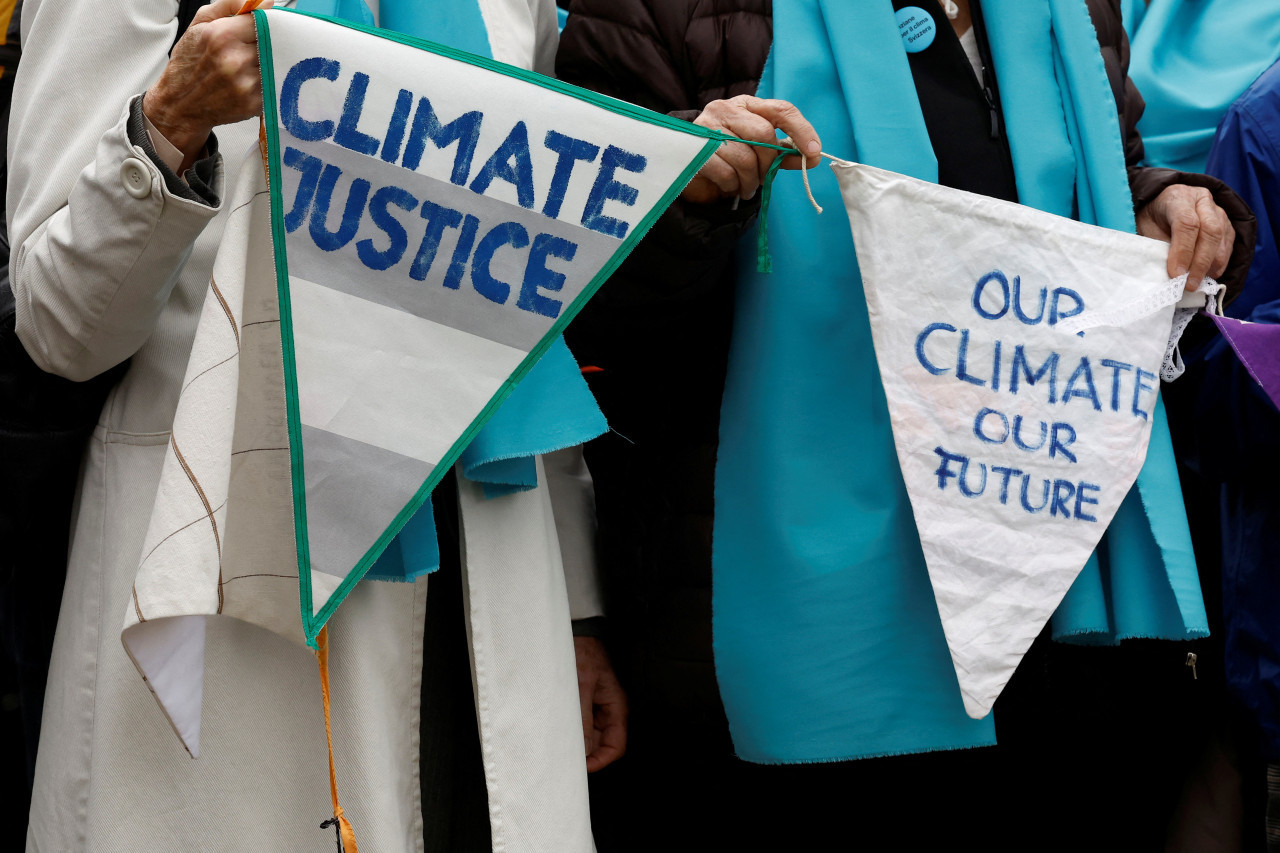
764	261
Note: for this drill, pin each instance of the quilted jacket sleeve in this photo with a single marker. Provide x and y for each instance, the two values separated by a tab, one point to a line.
670	57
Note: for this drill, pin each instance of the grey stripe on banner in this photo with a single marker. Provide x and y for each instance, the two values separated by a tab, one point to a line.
352	486
464	308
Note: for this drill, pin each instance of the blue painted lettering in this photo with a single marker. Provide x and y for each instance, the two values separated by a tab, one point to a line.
1138	387
1005	474
537	277
962	480
314	68
1049	366
398	238
1117	367
570	151
482	279
1081	499
1089	392
606	188
1017	303
1062	492
357	195
981	433
464	130
944	471
462	251
510	163
310	168
395	130
438	218
995	368
1044	497
1055	310
962	356
920	341
348	134
996	276
1058	445
1020	442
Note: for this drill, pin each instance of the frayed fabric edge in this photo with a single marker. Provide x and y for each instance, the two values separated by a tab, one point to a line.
866	755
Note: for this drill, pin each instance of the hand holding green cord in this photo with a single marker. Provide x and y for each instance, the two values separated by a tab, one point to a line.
736	169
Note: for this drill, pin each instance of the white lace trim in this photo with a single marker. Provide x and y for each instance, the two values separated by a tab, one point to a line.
1173	293
1173	367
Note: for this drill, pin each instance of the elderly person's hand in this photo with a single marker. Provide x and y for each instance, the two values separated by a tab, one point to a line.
1199	233
737	169
604	705
212	79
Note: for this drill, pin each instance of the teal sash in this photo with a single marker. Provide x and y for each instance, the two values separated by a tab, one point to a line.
552	408
1191	59
827	639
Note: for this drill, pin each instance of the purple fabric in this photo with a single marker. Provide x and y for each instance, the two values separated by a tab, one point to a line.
1257	345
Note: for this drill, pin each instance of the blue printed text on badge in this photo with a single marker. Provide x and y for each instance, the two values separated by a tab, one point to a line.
916	27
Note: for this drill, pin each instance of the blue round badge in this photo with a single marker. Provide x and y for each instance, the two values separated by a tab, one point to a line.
916	27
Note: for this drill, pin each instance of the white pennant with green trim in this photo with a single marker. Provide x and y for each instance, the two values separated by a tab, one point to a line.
438	219
430	223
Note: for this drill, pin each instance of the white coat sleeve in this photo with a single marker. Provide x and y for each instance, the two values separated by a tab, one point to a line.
573	505
98	236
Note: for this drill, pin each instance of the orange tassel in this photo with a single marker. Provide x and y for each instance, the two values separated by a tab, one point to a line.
262	147
345	832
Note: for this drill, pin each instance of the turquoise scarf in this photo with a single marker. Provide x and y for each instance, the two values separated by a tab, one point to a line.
552	408
1190	60
827	639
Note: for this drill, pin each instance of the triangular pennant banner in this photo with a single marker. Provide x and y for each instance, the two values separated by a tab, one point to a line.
1020	354
438	219
1257	345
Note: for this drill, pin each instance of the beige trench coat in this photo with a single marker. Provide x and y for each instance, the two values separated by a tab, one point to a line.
108	264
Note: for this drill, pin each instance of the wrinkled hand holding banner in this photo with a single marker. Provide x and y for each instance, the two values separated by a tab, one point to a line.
1020	354
434	221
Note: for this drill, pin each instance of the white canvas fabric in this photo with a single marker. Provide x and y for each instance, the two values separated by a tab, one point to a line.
440	221
1020	354
525	672
110	774
518	607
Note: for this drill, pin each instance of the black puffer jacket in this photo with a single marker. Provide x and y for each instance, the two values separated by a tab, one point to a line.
661	390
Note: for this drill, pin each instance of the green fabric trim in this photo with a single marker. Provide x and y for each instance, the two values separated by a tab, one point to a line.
764	260
603	101
270	112
312	623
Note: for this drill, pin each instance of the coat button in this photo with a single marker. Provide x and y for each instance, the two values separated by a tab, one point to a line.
136	178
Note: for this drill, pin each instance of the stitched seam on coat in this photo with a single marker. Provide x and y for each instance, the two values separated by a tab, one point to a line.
156	547
260	575
235	329
217	540
206	370
136	439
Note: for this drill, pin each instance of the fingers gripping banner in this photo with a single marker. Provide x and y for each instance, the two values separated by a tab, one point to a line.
1020	354
438	219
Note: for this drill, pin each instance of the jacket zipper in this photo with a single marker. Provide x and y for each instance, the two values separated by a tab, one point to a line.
991	102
